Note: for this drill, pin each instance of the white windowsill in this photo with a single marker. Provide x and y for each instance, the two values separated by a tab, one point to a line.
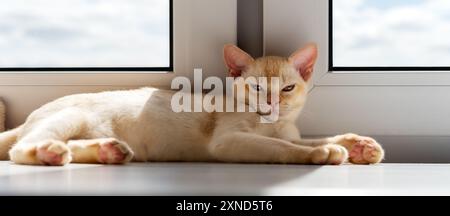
225	179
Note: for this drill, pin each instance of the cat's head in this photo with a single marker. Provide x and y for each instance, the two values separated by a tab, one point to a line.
293	72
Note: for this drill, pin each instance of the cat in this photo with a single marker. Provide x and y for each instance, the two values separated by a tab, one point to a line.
139	125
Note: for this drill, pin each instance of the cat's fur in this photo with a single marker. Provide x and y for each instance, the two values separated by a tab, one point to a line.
119	126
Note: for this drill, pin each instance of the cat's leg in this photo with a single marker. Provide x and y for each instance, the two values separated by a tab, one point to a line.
289	132
250	148
103	151
45	143
362	150
313	142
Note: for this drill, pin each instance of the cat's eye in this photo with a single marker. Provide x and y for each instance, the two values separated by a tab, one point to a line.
257	88
289	88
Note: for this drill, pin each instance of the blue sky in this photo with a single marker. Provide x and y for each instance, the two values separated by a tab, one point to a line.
386	4
391	32
84	33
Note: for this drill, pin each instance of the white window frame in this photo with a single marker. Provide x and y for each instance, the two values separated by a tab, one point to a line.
186	13
317	30
408	77
101	78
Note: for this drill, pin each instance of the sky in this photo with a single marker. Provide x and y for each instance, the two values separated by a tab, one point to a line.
391	33
84	33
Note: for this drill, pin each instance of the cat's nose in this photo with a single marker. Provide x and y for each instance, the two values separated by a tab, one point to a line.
269	103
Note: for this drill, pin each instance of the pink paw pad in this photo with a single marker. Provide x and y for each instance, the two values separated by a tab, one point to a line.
357	153
49	158
113	153
364	152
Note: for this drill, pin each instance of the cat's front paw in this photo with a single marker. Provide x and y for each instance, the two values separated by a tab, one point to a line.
362	150
329	155
112	151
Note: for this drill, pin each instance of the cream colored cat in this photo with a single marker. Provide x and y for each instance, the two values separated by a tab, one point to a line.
120	126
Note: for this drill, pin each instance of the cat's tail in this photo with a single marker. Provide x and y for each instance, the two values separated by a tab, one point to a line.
7	140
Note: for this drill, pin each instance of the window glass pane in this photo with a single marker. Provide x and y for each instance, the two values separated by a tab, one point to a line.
84	33
391	33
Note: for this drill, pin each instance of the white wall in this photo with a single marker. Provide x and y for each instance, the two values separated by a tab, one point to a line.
202	27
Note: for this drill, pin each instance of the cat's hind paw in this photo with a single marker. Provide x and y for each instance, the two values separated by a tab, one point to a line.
112	151
329	155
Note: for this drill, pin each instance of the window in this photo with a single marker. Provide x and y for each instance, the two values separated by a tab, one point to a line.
86	35
368	35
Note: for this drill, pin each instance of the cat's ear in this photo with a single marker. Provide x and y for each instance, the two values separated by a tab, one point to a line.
236	59
304	60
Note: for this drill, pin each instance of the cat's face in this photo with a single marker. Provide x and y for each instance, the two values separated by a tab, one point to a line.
293	74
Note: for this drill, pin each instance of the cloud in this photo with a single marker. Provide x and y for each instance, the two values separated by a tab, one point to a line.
381	33
84	33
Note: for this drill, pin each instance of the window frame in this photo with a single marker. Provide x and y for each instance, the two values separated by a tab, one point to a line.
170	68
327	75
191	49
